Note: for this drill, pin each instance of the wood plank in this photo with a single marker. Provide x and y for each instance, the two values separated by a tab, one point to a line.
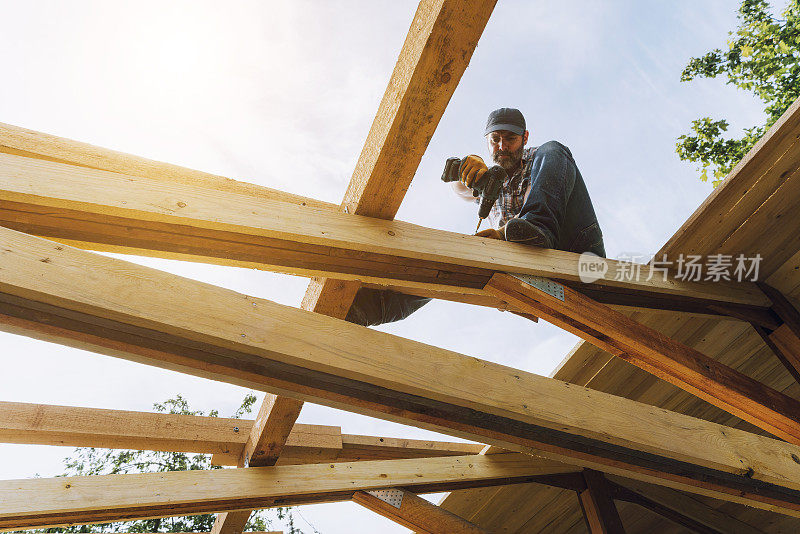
39	145
778	213
787	342
598	505
434	56
123	213
97	499
418	514
781	343
267	440
274	423
748	185
42	424
783	307
223	335
659	355
356	447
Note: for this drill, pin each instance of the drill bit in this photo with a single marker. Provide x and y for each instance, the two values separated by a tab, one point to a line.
480	220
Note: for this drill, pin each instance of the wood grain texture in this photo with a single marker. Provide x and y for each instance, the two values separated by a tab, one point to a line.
435	54
418	514
220	334
123	213
660	355
102	498
42	424
38	145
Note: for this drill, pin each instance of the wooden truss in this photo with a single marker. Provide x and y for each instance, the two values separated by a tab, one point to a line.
58	197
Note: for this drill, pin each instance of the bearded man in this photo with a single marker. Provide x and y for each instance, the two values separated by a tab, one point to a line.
543	202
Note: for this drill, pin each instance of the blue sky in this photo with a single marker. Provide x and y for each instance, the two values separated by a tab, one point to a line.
283	94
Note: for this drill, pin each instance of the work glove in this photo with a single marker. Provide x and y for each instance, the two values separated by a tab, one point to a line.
491	233
472	170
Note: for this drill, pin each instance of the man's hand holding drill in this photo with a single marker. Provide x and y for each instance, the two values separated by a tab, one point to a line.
472	170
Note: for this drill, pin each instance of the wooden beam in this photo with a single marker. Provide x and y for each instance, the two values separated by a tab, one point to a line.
783	307
679	508
598	505
121	213
225	438
655	353
274	423
267	440
97	499
42	424
119	309
435	54
624	494
37	145
380	448
785	345
416	513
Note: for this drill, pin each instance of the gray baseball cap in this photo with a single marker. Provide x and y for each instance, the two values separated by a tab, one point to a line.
510	119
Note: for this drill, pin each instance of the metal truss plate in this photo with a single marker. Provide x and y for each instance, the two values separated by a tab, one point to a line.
391	496
544	285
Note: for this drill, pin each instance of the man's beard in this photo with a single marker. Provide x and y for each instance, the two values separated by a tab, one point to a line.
508	160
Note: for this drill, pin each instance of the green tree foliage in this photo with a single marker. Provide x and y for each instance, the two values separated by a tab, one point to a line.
763	57
90	461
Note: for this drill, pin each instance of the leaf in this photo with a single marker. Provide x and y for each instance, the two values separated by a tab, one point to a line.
747	51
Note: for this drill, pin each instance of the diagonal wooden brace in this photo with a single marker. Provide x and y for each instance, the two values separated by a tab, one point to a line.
653	352
416	513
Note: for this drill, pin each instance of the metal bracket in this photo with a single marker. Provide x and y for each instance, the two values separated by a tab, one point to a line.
545	285
391	496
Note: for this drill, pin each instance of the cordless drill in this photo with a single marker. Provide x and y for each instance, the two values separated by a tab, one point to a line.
487	187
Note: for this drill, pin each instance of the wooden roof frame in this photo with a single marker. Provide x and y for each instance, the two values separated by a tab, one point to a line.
128	204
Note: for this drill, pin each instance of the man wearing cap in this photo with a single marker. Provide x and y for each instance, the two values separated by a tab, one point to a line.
544	202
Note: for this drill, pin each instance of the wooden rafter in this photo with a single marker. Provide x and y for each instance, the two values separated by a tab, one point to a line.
434	56
597	503
785	345
622	493
38	145
223	335
754	179
95	499
658	354
680	508
224	438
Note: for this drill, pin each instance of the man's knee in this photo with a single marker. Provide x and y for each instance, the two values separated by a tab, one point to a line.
374	306
553	148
